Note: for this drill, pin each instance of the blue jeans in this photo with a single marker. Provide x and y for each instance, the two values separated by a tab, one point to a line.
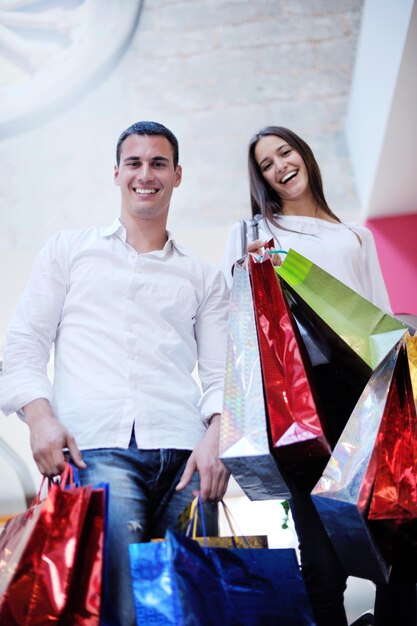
142	505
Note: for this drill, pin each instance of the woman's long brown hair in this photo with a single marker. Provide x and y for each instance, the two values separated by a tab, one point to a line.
265	200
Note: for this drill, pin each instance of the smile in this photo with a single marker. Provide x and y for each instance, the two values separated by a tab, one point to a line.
289	176
144	192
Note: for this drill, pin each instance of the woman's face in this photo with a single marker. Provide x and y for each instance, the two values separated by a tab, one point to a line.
282	167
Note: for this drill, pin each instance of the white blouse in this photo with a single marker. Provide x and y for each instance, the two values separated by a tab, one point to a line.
345	250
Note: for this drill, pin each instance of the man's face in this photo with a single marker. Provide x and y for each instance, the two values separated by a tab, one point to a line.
146	176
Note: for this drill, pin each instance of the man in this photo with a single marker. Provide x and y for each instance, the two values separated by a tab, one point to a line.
130	312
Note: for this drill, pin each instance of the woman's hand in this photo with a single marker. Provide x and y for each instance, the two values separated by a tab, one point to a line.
258	247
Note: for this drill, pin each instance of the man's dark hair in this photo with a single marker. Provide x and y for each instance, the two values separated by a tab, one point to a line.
149	128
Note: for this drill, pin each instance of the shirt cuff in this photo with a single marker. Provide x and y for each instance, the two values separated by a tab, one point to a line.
19	395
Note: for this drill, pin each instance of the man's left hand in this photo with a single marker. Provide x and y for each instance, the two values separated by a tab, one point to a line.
214	476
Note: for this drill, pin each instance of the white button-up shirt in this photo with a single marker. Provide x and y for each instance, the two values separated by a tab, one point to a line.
128	330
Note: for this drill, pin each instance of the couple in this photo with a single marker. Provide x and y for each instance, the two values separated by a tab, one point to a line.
130	312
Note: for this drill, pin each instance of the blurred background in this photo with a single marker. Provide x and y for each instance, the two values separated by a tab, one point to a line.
75	73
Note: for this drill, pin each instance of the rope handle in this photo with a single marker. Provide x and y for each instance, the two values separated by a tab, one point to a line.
272	251
196	510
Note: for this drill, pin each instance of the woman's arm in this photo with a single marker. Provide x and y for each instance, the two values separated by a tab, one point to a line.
373	279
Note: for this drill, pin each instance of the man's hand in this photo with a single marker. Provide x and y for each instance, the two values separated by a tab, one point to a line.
214	476
48	437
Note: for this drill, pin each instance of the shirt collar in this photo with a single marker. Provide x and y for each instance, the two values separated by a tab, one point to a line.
117	228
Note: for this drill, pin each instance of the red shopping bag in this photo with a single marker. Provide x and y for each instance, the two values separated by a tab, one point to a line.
394	492
84	596
38	553
298	439
392	511
367	495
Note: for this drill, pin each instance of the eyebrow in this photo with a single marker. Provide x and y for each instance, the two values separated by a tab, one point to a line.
133	159
277	150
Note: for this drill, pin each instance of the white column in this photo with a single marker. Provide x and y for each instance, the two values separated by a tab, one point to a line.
381	126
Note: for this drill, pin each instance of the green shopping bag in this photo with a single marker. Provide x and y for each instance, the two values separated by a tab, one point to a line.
365	328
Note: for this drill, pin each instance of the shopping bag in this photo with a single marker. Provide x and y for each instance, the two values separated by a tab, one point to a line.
394	491
367	495
244	442
38	552
368	331
178	582
298	438
392	514
337	374
83	606
412	360
350	333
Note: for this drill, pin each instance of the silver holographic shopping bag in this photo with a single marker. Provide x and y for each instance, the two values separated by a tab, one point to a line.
244	440
343	494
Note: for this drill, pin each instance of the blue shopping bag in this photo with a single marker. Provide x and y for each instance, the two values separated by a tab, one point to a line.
177	582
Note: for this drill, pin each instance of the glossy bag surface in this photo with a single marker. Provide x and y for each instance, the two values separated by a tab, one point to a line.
392	514
39	551
14	539
83	604
350	334
394	491
337	374
297	435
179	583
342	494
244	437
368	331
367	495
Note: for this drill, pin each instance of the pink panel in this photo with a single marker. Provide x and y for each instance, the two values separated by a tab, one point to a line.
396	241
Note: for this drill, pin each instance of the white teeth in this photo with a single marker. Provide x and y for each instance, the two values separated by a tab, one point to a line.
288	176
145	192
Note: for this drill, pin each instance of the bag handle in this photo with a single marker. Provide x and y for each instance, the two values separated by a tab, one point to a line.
271	250
196	509
254	224
66	479
243	242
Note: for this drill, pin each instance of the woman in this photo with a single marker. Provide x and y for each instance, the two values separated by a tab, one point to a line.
288	204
